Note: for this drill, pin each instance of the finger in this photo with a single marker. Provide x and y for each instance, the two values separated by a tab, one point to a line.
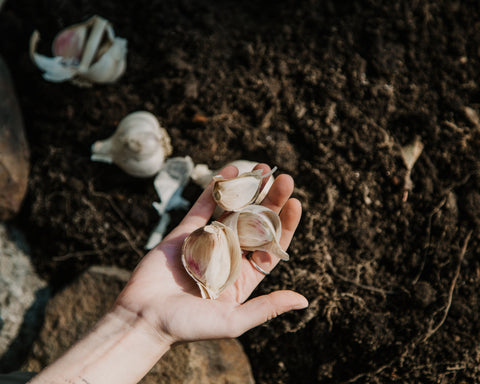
290	218
203	208
263	308
265	169
279	193
276	199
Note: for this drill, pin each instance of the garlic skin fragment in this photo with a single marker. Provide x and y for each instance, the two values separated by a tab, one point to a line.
258	229
139	145
238	192
169	184
211	255
84	53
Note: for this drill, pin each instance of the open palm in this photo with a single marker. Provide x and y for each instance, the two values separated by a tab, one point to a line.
163	293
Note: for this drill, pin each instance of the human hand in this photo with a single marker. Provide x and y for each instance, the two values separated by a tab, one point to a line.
167	298
161	304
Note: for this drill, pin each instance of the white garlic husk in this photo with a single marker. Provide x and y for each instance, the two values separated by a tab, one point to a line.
258	229
84	53
238	192
169	184
139	145
211	255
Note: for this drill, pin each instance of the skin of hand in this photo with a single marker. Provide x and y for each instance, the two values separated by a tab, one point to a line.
161	305
161	292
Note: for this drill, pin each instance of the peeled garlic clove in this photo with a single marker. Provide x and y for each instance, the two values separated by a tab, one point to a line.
139	145
211	255
238	192
84	53
258	229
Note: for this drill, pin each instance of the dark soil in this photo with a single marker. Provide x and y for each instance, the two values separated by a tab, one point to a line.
328	91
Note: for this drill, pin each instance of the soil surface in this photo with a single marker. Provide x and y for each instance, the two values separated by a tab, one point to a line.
331	92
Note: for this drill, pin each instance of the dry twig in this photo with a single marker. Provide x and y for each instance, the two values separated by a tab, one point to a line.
431	331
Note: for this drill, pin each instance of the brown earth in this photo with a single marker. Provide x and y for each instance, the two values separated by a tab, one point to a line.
329	91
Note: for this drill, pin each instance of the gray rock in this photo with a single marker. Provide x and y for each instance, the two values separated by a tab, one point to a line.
23	296
73	311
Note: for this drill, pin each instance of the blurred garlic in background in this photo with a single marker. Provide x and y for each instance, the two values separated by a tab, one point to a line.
139	146
84	53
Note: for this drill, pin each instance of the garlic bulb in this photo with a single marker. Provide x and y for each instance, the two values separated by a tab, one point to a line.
238	192
84	53
258	229
138	146
212	257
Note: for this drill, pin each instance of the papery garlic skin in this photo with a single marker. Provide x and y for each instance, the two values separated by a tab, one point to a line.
139	145
258	229
169	184
84	53
238	192
211	255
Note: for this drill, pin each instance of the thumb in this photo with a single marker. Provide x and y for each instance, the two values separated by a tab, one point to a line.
263	308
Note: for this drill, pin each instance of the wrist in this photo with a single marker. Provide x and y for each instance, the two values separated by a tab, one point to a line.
120	349
137	327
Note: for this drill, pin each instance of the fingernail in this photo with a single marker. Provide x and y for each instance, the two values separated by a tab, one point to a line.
301	305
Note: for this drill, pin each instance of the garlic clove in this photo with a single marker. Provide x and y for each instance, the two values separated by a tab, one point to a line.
110	66
139	145
238	192
69	43
258	229
84	53
211	255
202	175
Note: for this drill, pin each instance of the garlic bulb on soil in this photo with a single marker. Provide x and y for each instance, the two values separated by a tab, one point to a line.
238	192
139	145
84	53
212	257
258	229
